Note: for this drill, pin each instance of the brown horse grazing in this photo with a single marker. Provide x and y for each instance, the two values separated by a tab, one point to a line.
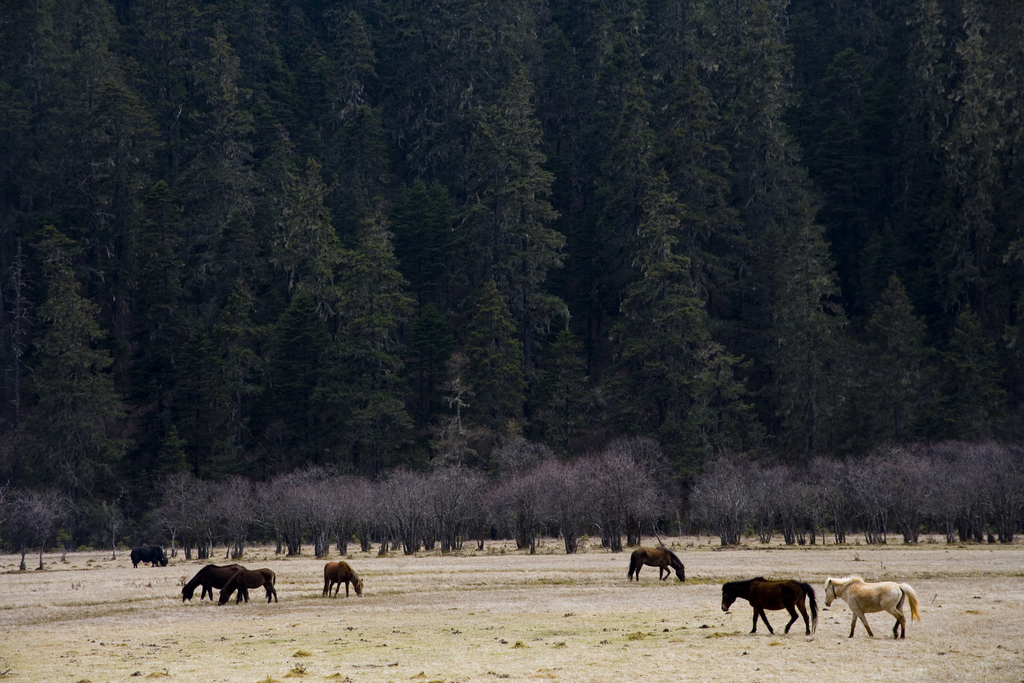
211	576
340	573
662	558
244	579
763	594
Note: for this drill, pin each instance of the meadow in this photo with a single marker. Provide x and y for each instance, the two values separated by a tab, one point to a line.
500	614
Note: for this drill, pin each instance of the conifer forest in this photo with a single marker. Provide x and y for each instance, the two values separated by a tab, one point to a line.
258	244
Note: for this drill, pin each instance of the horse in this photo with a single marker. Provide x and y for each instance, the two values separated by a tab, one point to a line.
862	598
662	558
211	576
340	573
244	579
763	594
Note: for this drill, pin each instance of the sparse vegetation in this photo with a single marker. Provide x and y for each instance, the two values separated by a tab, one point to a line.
522	616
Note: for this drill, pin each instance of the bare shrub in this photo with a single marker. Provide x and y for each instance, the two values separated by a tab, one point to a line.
721	499
287	508
519	500
236	500
456	495
406	504
32	520
625	489
833	486
347	507
567	501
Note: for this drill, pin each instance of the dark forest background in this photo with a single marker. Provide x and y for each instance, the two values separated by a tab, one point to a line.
252	237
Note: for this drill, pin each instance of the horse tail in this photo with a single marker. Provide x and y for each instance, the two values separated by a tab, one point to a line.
633	561
912	599
809	590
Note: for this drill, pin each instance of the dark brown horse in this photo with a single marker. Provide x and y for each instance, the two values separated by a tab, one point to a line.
662	558
763	594
209	577
244	579
340	573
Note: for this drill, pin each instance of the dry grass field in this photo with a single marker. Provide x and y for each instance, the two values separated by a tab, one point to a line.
500	615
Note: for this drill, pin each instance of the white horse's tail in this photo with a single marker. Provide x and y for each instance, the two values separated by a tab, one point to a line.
912	599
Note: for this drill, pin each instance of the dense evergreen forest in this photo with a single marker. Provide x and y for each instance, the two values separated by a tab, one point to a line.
250	237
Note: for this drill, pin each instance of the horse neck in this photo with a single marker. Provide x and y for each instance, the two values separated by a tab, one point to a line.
842	586
741	589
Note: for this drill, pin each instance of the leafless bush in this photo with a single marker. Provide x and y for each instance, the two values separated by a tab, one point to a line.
169	513
32	520
721	499
288	509
626	491
911	479
406	504
519	500
347	507
517	455
567	501
236	499
766	488
369	511
319	501
833	485
455	495
1006	490
189	508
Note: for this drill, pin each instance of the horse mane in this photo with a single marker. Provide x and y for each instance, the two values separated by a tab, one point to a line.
852	578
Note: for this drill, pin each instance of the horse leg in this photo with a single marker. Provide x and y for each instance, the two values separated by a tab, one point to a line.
346	588
759	611
271	592
667	573
803	611
865	620
901	622
792	616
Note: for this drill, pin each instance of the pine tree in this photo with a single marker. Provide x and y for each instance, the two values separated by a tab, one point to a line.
237	340
971	400
624	182
288	416
74	423
158	313
665	354
423	220
899	373
509	215
495	355
806	330
364	376
697	166
430	345
198	405
562	401
306	247
218	180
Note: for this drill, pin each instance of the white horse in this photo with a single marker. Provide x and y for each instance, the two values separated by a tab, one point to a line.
863	598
